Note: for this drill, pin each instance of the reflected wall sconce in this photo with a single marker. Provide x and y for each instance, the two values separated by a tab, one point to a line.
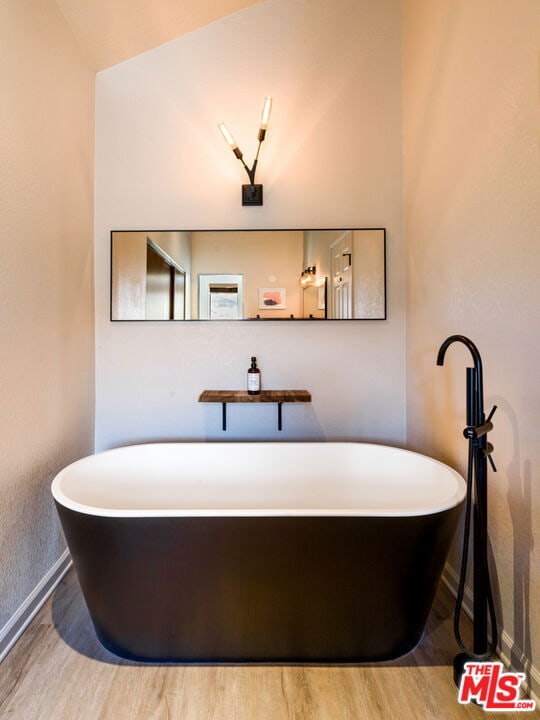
252	194
307	277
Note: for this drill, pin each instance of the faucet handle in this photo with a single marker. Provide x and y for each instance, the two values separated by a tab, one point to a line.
491	460
489	448
487	454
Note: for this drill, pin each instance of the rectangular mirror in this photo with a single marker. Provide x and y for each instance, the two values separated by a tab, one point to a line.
248	274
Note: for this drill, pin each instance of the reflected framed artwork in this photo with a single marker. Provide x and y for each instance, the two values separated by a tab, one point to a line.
272	298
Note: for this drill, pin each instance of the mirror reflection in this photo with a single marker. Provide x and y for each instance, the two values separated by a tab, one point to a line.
248	274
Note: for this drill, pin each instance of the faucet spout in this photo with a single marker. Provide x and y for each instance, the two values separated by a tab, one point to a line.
468	343
475	392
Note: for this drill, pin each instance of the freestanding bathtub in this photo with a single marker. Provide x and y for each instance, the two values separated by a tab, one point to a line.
258	552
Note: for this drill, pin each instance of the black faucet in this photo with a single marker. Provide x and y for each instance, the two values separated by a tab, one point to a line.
477	425
479	452
475	383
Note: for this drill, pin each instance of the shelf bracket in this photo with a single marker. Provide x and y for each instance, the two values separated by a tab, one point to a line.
224	416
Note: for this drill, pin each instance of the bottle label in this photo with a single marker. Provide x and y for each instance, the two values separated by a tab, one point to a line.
254	382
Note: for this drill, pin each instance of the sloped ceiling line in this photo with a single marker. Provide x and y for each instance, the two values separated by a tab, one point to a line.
111	31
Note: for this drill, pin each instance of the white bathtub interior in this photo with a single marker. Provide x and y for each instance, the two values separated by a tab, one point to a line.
265	479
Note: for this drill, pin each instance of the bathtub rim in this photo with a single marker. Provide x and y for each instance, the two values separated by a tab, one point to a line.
456	499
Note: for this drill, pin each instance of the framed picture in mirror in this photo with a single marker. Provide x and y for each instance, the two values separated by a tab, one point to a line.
272	298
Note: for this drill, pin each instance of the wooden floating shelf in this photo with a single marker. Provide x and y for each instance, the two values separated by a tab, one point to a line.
265	396
242	396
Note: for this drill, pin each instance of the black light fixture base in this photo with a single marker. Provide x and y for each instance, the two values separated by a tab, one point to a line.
252	194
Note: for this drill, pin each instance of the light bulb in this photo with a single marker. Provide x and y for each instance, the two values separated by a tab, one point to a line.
264	118
230	140
227	135
266	112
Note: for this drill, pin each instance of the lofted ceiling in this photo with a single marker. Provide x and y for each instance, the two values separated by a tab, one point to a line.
110	31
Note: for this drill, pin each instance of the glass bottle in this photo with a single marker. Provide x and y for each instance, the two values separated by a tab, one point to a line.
254	378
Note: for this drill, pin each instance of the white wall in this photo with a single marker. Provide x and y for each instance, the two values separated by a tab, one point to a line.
332	158
46	283
472	212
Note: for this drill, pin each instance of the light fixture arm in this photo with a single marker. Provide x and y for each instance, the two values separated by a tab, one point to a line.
251	172
252	193
240	155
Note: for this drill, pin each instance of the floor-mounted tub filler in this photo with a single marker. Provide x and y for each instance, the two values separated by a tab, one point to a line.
475	524
259	552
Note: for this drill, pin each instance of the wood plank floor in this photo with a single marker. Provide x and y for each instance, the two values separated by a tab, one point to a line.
59	671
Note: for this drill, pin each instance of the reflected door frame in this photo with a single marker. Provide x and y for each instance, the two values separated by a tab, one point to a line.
165	287
342	277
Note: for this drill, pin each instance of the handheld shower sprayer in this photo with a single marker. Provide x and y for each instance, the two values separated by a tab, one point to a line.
480	451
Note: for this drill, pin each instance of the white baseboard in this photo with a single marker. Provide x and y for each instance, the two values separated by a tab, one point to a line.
510	654
18	623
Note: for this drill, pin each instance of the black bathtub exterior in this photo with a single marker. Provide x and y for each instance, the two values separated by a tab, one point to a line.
259	589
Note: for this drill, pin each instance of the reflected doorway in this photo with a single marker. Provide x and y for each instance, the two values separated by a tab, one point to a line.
165	286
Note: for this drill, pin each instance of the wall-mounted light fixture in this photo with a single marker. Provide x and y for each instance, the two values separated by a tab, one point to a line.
307	277
252	194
